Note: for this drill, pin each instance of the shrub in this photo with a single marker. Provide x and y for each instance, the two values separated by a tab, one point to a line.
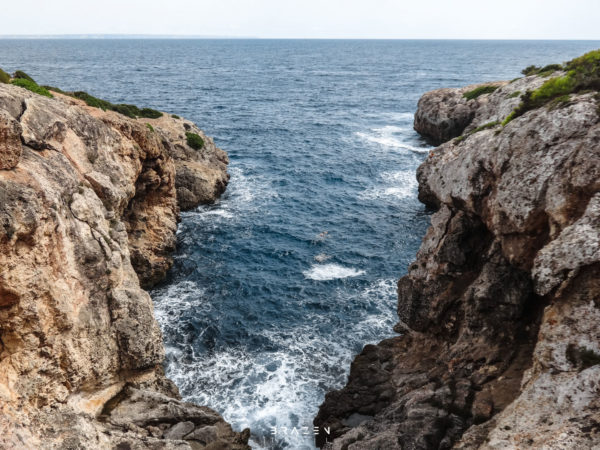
542	71
131	111
4	77
530	70
149	113
90	100
150	127
481	90
514	94
32	86
583	74
23	76
194	141
175	116
52	88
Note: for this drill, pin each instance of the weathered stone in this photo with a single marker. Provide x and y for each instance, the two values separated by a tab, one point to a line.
10	141
179	430
500	311
88	213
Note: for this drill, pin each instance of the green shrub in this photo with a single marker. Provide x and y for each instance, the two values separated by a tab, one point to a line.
514	94
149	113
90	100
194	141
131	111
542	71
32	86
52	88
150	127
530	70
583	74
481	90
175	116
4	77
23	76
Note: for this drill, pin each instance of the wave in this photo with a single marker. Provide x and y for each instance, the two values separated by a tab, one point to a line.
398	185
326	272
281	386
388	136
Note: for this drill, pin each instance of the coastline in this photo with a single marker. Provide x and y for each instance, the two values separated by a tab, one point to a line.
90	204
499	312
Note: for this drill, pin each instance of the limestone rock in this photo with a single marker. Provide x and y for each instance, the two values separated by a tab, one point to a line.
88	211
201	175
500	312
10	141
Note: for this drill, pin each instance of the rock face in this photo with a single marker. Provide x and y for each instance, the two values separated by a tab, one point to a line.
500	312
88	212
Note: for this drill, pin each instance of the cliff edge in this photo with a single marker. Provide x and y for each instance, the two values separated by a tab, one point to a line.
89	203
500	312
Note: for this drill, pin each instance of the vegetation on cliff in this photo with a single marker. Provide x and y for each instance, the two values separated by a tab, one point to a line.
479	91
583	74
32	86
130	111
194	141
4	77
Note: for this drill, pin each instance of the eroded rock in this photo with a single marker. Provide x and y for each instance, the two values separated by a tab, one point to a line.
499	312
88	211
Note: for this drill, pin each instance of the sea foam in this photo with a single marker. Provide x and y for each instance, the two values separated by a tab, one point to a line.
325	272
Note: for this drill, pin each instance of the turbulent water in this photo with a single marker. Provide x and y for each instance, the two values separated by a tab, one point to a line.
280	283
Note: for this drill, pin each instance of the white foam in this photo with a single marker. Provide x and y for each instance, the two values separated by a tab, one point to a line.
280	388
391	137
325	272
397	185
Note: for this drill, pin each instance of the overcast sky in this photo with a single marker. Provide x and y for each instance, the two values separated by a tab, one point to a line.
416	19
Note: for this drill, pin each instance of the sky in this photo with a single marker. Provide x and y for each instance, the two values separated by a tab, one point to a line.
361	19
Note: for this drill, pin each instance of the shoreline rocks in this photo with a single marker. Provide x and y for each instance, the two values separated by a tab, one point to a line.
499	313
88	215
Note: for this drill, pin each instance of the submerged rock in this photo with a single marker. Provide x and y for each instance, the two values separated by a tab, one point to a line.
88	213
500	312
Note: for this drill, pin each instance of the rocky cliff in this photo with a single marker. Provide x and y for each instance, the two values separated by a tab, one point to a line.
89	203
499	315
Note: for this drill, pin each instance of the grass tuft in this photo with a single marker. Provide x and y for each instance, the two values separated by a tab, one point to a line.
481	90
150	127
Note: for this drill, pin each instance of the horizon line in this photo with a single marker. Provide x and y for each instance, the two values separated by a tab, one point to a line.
99	36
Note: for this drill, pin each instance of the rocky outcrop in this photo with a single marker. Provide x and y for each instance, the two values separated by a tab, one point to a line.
500	312
88	212
200	175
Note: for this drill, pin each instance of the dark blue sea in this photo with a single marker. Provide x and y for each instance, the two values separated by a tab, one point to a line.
294	270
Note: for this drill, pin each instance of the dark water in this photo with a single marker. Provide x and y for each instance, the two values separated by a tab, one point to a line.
277	286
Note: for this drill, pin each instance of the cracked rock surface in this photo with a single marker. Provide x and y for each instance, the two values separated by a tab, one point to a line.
499	315
88	214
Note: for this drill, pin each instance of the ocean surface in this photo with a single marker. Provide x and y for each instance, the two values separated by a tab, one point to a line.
277	286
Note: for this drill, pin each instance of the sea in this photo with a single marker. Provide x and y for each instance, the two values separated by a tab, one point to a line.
280	283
